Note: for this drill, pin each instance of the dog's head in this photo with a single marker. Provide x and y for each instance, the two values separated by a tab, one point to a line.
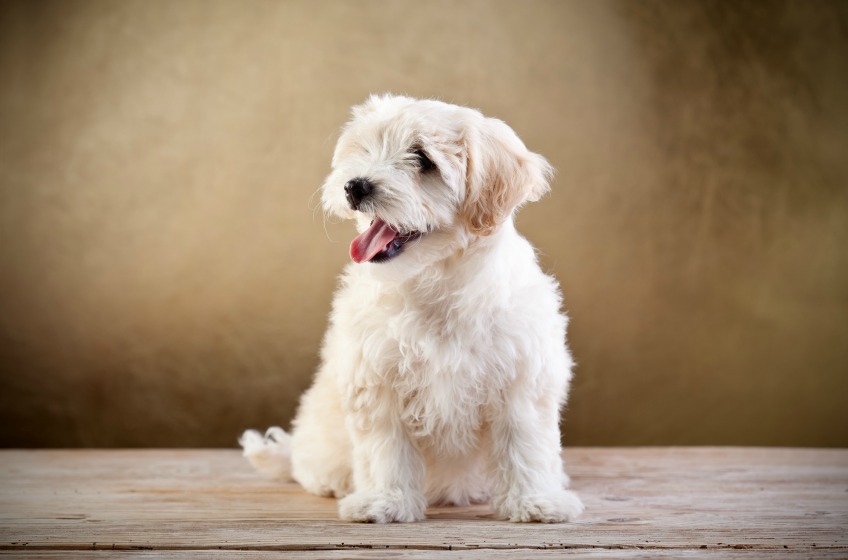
423	178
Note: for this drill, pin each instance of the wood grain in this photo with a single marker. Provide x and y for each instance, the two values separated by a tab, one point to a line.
641	502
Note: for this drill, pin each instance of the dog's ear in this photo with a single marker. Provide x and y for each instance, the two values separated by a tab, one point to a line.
501	174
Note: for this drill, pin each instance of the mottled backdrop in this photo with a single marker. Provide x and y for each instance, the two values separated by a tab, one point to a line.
165	273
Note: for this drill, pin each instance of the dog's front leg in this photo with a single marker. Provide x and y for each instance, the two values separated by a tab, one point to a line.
388	469
529	481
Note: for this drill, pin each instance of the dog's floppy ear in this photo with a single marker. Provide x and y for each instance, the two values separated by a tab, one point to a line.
501	174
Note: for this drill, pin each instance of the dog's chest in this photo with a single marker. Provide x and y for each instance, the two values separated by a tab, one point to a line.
439	390
438	365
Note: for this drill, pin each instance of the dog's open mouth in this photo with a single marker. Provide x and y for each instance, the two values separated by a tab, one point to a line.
380	242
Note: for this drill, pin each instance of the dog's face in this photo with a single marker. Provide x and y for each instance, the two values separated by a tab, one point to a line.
424	178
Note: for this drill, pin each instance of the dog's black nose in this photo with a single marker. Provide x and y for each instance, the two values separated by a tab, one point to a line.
356	190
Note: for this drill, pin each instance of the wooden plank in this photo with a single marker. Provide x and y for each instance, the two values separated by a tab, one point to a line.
412	554
695	502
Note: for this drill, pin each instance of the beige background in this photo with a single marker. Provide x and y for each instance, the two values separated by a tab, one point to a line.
165	273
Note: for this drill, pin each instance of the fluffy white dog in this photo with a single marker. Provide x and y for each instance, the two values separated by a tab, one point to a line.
444	367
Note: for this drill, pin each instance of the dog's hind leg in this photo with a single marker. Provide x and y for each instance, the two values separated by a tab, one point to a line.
321	448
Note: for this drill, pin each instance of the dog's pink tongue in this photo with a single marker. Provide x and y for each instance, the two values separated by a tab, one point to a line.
371	241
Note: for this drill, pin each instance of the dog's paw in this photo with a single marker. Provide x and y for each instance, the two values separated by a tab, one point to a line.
335	484
556	507
382	507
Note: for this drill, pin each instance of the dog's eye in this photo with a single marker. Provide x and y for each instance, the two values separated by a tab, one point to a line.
424	162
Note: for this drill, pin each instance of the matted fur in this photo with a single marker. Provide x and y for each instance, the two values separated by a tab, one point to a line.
444	369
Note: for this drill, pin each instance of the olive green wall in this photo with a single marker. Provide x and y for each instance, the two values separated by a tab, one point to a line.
165	274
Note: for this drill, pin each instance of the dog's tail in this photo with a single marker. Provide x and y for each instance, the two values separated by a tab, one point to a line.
270	454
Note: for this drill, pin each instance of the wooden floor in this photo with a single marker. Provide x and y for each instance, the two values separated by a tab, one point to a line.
641	502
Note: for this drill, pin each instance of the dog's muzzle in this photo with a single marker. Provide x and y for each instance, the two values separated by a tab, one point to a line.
357	190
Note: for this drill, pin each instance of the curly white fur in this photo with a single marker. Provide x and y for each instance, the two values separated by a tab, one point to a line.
444	368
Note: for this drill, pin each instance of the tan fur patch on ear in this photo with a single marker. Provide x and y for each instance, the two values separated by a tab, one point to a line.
501	174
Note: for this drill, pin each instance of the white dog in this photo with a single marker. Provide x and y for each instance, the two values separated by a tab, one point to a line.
444	365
